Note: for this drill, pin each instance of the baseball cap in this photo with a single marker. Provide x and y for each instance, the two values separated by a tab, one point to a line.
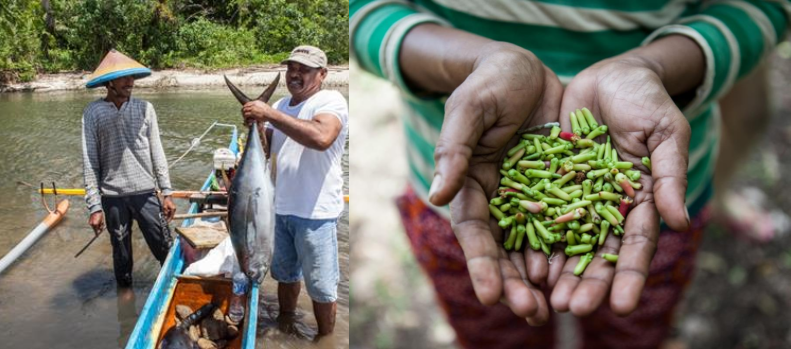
310	56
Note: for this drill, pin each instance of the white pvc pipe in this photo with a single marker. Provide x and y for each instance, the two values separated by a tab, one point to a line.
50	221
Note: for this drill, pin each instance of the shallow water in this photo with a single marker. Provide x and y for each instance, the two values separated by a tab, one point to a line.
49	299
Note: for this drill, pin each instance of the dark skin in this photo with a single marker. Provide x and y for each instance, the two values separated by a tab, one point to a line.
302	82
118	93
497	89
318	133
631	93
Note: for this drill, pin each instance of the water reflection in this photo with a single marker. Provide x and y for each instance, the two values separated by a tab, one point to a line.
127	314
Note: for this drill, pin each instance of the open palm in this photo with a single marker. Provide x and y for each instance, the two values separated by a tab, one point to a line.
506	92
643	121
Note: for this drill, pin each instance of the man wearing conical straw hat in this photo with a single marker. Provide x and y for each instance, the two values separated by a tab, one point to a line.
124	164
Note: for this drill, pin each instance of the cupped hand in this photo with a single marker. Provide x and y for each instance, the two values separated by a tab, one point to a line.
508	90
628	96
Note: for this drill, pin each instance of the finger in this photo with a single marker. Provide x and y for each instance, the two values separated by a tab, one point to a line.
516	293
460	132
596	281
541	316
537	266
638	245
565	286
518	259
470	222
556	265
669	171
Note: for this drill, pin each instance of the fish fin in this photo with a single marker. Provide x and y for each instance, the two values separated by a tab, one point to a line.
264	97
240	96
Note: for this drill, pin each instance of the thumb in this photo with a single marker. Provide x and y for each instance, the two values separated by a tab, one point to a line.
669	172
461	129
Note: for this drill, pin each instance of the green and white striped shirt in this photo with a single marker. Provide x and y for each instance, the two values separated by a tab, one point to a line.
569	36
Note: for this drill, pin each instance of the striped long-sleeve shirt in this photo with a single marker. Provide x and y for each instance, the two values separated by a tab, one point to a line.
569	36
121	150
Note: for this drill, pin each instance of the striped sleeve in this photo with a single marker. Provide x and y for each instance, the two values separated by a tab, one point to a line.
159	163
734	36
376	30
90	163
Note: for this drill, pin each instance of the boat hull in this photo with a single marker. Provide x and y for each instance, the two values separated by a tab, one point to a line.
151	323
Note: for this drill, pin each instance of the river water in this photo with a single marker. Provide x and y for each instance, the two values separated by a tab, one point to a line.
49	299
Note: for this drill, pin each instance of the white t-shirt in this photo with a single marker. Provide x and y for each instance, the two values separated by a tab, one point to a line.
309	182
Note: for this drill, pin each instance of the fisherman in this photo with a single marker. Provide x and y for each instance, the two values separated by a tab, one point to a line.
124	164
306	134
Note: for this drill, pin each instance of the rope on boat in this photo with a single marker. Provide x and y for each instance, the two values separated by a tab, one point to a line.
196	141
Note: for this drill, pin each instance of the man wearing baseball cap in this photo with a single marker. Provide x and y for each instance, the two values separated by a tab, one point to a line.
306	134
124	164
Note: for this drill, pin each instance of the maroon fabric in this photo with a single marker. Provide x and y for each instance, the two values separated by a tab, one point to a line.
478	326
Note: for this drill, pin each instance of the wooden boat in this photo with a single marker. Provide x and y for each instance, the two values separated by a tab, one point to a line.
171	287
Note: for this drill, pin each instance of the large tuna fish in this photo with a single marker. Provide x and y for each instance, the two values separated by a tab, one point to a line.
251	210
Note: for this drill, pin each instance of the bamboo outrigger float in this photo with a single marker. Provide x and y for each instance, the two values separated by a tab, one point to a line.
157	313
53	218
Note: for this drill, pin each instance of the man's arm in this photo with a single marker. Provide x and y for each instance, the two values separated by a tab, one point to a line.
160	164
91	167
318	133
158	159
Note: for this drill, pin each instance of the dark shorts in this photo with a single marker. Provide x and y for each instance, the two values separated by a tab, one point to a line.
146	210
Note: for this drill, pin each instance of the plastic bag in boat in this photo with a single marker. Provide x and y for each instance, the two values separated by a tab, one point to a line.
221	260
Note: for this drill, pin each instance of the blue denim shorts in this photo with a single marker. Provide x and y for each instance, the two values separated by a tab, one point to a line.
309	248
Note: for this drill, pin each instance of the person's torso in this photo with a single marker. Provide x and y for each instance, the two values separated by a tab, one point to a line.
309	182
123	145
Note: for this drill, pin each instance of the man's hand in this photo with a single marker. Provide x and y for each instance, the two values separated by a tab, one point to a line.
255	111
628	95
168	208
508	90
96	221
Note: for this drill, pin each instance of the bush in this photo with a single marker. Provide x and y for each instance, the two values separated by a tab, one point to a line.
20	22
166	33
282	25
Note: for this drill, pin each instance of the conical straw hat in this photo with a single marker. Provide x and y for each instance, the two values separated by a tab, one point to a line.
116	65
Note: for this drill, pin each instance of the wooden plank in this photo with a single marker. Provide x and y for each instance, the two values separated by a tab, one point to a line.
203	237
201	215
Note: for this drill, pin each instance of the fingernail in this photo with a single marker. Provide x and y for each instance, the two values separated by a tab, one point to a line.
686	214
436	184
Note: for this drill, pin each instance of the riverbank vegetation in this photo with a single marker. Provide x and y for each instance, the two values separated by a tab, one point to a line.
38	36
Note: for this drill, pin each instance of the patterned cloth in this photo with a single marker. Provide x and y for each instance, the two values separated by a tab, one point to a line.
121	150
478	326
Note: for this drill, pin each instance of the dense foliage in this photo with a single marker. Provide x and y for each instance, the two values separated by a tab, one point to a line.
56	35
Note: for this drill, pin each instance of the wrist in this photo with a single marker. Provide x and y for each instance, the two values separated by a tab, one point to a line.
437	59
496	52
676	59
505	56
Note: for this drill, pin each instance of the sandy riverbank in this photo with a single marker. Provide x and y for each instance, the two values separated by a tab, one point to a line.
187	78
